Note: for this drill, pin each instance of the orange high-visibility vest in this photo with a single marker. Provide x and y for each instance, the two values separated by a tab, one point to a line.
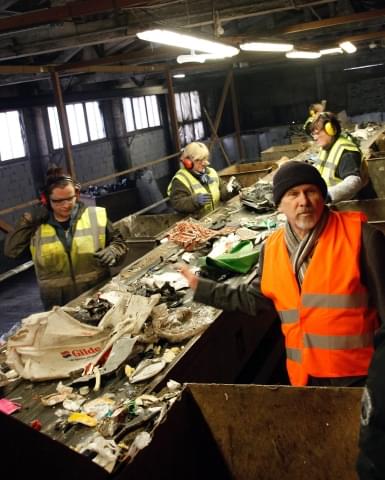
328	325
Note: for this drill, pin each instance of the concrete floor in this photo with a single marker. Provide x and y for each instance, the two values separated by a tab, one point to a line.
19	297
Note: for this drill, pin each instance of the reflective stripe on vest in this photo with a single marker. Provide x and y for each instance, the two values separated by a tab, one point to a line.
327	161
328	326
195	187
51	261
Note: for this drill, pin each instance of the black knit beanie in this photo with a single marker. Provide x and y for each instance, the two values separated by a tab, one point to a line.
293	173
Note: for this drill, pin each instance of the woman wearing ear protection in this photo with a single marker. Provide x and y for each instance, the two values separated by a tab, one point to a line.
196	187
72	245
340	161
314	110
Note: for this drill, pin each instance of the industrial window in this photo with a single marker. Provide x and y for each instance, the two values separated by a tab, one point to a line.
189	115
11	140
141	112
85	122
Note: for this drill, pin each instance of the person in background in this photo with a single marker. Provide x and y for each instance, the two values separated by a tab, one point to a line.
196	187
72	245
314	109
322	273
340	161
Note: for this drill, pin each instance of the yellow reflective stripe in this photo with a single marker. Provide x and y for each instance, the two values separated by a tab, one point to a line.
294	354
44	240
93	230
289	316
340	342
314	300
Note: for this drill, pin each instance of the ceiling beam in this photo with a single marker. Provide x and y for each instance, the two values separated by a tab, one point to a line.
332	22
67	12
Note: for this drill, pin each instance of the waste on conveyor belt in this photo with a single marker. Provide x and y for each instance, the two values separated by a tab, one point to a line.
192	235
259	197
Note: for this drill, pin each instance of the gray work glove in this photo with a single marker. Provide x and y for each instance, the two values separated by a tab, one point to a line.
107	257
203	199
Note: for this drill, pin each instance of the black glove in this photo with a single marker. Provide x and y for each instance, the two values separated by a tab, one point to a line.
107	256
38	215
203	199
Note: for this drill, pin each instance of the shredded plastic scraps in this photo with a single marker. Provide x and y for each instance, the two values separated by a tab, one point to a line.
191	235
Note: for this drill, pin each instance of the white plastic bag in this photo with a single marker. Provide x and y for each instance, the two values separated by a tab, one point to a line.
53	345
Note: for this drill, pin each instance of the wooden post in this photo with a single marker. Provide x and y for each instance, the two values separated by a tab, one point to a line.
237	126
221	105
215	136
172	109
63	120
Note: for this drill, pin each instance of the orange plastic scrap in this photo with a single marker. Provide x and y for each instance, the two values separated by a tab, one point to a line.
191	235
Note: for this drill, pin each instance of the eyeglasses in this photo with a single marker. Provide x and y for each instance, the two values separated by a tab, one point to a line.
62	201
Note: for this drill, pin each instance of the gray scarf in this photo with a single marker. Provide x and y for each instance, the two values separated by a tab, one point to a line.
301	251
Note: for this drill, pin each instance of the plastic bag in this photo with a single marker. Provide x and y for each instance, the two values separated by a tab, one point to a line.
240	259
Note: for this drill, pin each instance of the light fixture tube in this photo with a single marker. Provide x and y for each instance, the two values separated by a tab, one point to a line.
348	47
179	75
266	47
167	37
330	51
199	57
303	54
364	66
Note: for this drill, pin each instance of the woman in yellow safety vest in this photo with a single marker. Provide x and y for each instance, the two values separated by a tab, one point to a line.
72	245
196	187
340	161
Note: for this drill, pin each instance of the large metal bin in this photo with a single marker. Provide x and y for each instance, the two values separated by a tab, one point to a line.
374	209
142	232
278	151
247	173
219	431
376	168
253	432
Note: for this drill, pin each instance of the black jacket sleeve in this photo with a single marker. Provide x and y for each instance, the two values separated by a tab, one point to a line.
18	241
371	459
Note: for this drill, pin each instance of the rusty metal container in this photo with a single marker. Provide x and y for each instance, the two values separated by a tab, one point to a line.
374	209
247	173
252	432
278	151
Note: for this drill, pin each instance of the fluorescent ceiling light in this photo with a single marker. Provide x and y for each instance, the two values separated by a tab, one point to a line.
330	51
179	75
266	47
303	54
167	37
365	66
348	47
199	58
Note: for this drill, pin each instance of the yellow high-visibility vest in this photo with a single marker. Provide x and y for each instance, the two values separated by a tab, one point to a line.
327	161
54	264
195	187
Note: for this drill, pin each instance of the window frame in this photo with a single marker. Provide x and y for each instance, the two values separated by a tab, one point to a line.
85	120
11	137
136	113
193	124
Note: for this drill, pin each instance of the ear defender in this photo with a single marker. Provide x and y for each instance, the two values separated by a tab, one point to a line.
43	199
330	129
187	163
